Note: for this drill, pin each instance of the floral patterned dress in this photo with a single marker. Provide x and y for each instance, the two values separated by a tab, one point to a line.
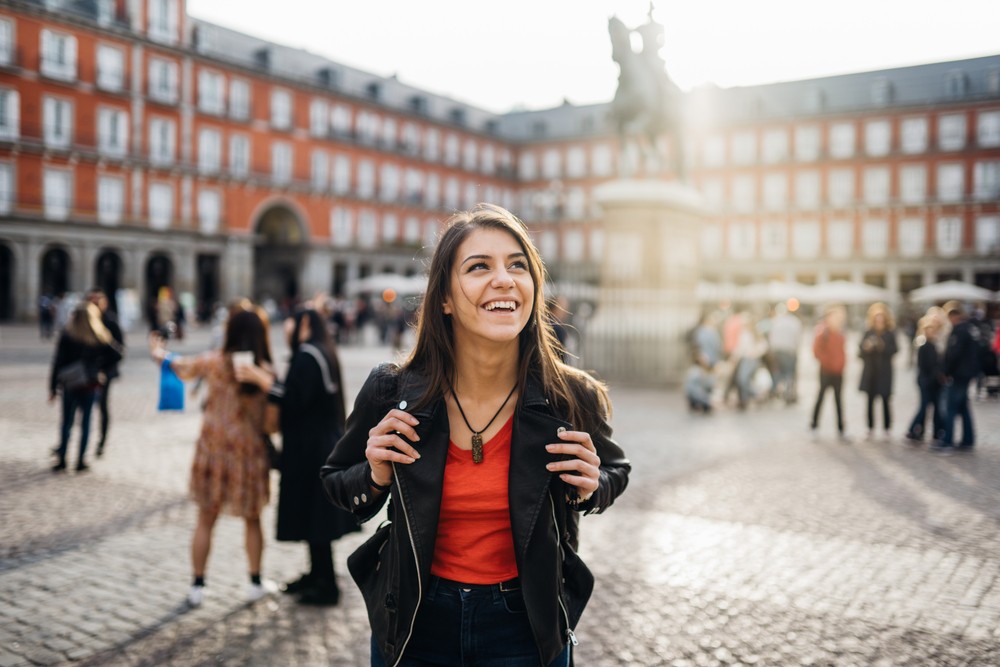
231	468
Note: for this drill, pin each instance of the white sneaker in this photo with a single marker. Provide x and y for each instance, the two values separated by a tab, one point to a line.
257	591
195	596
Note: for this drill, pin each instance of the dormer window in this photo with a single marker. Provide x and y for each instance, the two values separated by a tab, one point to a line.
457	116
418	104
815	100
373	90
539	129
329	77
956	84
881	92
262	58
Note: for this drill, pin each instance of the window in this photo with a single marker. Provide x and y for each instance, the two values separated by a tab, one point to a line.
576	204
471	194
526	166
389	182
775	192
112	132
432	196
432	145
842	140
319	117
390	228
110	200
281	109
986	180
110	68
161	205
411	230
876	186
807	143
710	241
211	87
7	190
744	194
320	170
341	174
713	190
389	133
367	229
914	135
840	238
548	246
807	190
431	227
840	188
451	150
552	164
57	119
775	145
773	240
163	21
281	162
950	182
988	129
487	160
913	184
414	186
209	151
366	179
875	238
368	124
805	239
6	42
576	162
912	237
105	12
340	118
209	211
162	140
239	99
713	151
10	114
988	235
239	155
58	193
451	193
742	240
163	80
744	147
341	226
951	132
411	139
878	137
58	55
469	155
949	236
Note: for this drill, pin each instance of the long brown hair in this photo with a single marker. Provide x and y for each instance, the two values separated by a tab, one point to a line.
538	348
85	325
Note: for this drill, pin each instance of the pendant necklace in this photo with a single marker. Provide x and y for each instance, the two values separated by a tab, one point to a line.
477	436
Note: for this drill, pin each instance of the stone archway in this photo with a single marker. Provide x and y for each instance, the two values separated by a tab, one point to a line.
108	275
54	268
159	274
280	250
7	273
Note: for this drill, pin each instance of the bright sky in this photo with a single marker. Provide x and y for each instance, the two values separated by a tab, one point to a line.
535	53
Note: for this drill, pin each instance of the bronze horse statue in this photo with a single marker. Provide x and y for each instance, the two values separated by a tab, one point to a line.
647	103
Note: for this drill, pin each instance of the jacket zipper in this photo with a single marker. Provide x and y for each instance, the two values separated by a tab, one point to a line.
416	561
555	523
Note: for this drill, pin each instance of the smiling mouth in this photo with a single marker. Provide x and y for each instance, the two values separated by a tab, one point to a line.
503	306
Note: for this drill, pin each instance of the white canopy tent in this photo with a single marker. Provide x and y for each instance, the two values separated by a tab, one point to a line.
379	282
951	289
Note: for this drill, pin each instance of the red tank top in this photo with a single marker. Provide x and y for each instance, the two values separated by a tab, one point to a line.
474	542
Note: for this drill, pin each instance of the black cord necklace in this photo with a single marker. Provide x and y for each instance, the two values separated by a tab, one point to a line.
477	436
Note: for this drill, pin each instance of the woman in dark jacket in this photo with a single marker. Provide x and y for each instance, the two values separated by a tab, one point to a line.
929	376
487	447
87	347
878	345
311	404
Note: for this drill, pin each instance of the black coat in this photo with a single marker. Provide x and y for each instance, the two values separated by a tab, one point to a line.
99	359
962	356
312	420
876	376
393	566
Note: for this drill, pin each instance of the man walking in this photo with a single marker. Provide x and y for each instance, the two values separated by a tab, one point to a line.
961	367
100	299
828	348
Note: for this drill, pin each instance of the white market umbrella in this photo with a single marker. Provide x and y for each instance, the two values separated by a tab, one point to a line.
846	292
775	290
952	289
707	292
379	282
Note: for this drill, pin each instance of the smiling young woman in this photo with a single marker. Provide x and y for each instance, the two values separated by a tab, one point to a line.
486	447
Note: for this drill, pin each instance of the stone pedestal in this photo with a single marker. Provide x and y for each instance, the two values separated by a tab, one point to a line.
649	272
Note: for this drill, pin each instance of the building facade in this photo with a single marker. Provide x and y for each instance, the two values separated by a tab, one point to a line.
142	148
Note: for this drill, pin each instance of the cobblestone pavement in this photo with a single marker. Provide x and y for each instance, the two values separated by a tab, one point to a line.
741	540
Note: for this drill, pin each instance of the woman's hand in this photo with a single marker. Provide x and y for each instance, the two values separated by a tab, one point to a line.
583	469
385	445
254	374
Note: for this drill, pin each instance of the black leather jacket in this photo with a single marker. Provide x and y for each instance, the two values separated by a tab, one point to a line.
393	567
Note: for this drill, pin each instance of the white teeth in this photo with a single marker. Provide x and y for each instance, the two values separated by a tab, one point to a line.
507	305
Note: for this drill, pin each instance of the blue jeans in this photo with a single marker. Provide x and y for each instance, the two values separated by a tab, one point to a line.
930	398
956	402
460	625
71	401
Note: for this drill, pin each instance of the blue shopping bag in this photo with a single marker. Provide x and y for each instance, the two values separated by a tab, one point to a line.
171	388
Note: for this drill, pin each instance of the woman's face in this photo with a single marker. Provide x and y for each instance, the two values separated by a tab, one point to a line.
879	321
491	293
